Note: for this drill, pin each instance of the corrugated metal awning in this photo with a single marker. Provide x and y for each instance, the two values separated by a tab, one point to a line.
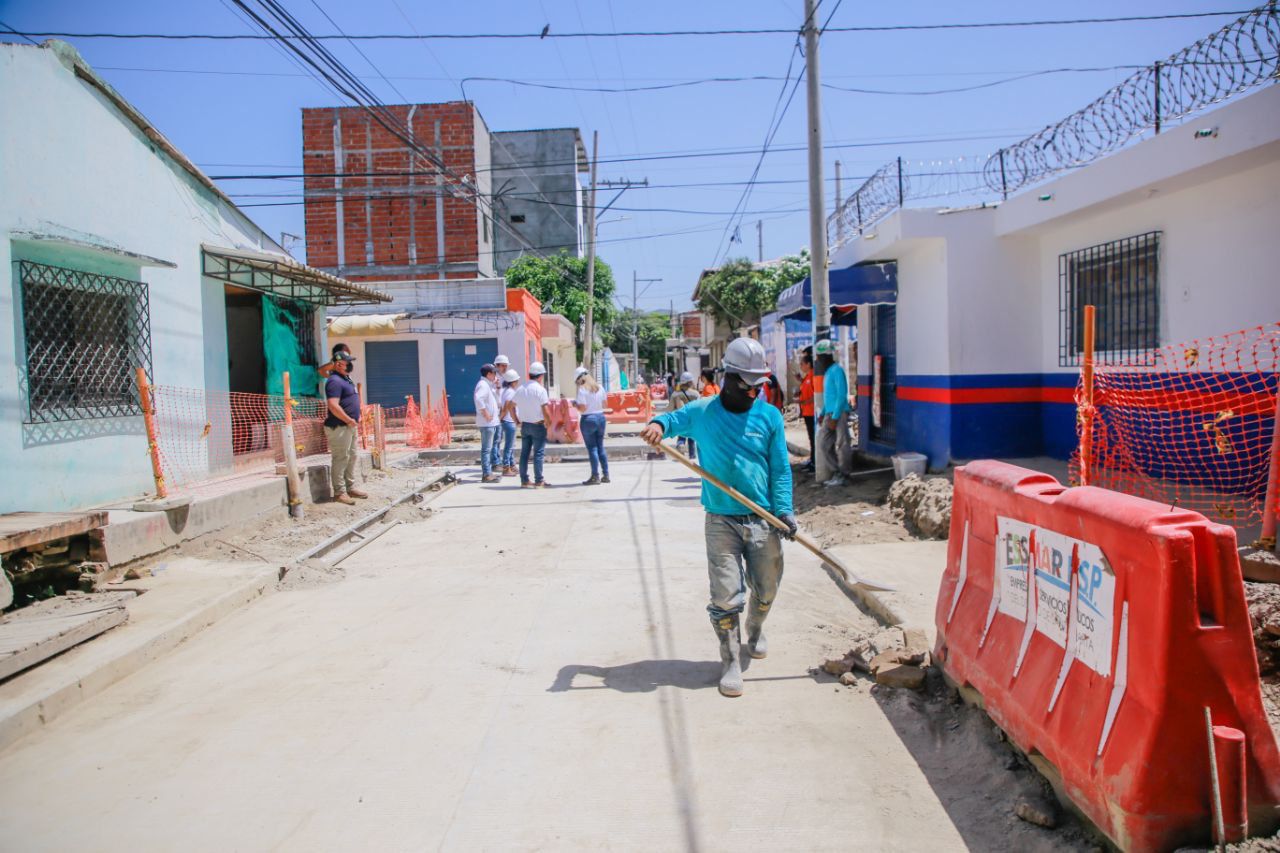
282	276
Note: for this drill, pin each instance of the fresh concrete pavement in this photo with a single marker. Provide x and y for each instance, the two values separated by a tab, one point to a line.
522	670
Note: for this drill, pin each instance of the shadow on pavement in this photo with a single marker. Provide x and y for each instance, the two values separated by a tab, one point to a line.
643	676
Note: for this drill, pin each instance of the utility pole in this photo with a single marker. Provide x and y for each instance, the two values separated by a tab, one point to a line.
760	240
839	218
635	323
589	335
817	216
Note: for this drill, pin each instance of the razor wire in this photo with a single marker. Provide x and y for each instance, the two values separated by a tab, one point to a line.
1240	56
899	181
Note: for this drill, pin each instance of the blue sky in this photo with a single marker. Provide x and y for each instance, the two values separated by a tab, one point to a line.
245	117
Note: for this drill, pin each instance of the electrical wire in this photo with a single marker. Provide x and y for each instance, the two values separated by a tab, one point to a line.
762	31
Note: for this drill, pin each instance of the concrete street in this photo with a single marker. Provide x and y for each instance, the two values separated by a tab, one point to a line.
523	670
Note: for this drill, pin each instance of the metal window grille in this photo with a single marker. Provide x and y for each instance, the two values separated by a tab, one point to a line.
1121	279
85	335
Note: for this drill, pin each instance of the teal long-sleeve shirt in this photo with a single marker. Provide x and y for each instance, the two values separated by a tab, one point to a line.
835	392
747	451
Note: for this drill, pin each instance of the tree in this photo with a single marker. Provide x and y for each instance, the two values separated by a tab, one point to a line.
654	327
739	293
560	284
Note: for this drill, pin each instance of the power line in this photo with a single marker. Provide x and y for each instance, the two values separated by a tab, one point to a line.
762	31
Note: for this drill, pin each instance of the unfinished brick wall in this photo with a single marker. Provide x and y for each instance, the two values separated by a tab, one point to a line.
374	210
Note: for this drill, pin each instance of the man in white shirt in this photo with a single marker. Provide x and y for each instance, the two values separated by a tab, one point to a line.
533	410
488	422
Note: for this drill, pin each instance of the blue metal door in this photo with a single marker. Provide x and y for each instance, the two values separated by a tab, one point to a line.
391	372
884	343
463	358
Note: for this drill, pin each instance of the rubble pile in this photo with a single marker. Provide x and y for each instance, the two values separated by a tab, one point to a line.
924	505
888	663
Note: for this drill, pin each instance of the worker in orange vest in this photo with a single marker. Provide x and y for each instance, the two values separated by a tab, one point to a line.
806	399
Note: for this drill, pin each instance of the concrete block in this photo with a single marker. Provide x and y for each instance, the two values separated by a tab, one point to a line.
162	504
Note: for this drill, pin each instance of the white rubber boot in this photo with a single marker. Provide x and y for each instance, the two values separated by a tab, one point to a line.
726	629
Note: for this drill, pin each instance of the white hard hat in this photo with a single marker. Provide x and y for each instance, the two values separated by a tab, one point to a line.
502	359
824	347
536	369
579	371
511	376
745	357
686	377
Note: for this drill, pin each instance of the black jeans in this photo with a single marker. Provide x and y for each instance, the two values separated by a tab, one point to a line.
808	427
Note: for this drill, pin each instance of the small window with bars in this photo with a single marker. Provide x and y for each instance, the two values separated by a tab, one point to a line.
85	335
1121	280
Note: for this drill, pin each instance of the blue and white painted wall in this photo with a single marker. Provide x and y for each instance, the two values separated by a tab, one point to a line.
978	316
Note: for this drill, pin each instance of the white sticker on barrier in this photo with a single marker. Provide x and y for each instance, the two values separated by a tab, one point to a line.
1093	611
1051	562
1095	608
1013	548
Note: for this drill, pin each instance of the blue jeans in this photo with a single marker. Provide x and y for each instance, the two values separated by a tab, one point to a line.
742	551
488	449
508	441
593	427
682	442
533	439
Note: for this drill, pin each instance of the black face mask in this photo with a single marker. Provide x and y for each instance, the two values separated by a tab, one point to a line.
736	395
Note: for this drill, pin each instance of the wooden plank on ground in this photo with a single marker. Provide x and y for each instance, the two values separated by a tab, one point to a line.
20	529
36	633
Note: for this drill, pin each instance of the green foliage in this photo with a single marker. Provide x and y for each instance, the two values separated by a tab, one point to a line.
560	284
653	329
738	294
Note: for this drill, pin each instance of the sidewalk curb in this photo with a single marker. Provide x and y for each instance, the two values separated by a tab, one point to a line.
876	602
98	676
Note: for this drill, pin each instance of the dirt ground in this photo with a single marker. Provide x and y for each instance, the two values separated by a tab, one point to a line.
1264	611
276	538
854	513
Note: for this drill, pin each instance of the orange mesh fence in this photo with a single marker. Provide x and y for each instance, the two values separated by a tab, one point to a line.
207	435
1191	426
429	428
203	435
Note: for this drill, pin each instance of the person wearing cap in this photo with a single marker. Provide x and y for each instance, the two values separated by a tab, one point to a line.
742	443
343	403
502	364
532	411
339	352
590	402
805	398
487	421
833	415
507	411
682	396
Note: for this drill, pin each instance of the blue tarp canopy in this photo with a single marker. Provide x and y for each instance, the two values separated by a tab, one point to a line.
868	284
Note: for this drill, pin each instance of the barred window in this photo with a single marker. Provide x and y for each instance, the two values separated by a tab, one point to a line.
1121	280
85	335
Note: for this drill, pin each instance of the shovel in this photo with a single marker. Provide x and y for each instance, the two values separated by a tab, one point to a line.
801	537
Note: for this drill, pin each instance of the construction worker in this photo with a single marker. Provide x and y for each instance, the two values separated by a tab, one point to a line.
743	443
833	436
805	398
709	386
682	396
488	422
532	406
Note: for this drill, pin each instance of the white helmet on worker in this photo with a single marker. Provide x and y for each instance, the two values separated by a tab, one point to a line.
745	357
825	347
511	376
536	369
686	378
502	359
579	372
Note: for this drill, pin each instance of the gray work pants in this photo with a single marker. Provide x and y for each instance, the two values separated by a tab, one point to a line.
834	444
742	551
342	453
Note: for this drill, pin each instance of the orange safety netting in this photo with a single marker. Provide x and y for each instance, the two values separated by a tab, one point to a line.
1191	425
428	428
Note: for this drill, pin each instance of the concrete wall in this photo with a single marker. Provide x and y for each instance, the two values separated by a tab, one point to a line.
79	175
535	176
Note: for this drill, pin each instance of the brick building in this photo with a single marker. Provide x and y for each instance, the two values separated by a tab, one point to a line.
376	211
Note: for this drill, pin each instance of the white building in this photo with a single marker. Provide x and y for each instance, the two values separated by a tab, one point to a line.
116	252
1173	237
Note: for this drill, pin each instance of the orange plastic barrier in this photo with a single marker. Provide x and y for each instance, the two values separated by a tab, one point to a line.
562	427
1136	623
633	406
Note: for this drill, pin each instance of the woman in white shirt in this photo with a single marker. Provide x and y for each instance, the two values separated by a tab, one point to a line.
506	404
590	402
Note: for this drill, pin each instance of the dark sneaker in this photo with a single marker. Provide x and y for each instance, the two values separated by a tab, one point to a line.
591	481
605	479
